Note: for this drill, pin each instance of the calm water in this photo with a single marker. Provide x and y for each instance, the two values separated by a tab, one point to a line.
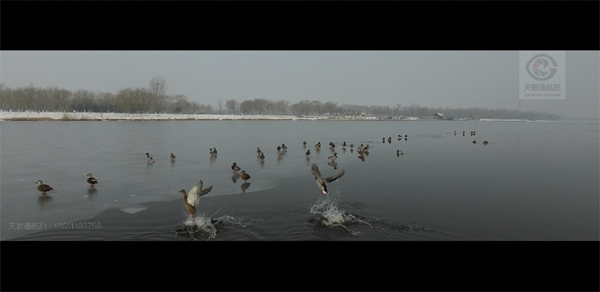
534	181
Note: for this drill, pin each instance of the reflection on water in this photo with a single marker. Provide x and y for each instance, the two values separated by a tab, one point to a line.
91	192
44	200
245	186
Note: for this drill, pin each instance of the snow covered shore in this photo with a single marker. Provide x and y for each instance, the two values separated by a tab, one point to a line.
75	116
93	116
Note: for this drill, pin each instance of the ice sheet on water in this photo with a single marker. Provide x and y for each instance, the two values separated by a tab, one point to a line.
133	210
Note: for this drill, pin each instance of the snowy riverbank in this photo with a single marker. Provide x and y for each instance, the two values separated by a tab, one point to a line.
75	116
93	116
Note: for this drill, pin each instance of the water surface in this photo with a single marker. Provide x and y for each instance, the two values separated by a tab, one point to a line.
534	181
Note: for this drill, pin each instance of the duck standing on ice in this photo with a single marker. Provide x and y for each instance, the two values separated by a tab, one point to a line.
91	180
43	188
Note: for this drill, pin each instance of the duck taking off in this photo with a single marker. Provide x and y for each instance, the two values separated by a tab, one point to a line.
321	181
92	181
191	199
43	188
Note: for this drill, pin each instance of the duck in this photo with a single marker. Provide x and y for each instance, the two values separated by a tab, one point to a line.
331	145
366	147
244	175
323	181
304	144
172	156
211	152
278	148
318	145
351	145
235	168
279	152
474	142
398	152
333	157
258	150
191	199
262	156
283	147
43	187
344	144
383	140
485	142
214	152
308	153
149	158
92	181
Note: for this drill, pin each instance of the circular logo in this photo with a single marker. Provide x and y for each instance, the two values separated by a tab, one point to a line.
541	67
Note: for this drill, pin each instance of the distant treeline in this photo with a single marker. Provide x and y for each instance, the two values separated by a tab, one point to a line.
154	99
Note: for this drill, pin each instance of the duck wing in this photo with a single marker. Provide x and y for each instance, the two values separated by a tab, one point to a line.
205	191
194	194
334	177
315	170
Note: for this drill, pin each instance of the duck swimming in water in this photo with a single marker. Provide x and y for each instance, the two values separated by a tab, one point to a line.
262	156
172	156
43	188
308	153
485	142
191	199
304	144
321	181
90	180
258	150
398	152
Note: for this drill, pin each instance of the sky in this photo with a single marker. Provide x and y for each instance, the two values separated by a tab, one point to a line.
456	79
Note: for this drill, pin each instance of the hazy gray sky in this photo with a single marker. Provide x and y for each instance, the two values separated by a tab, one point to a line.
428	78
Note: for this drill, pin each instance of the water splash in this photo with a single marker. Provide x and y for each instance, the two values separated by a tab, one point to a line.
329	215
206	225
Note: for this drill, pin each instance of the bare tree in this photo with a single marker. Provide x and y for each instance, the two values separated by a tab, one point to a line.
5	97
220	105
247	107
158	86
231	105
60	98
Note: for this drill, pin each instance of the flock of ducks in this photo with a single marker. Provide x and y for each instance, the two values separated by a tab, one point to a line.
191	198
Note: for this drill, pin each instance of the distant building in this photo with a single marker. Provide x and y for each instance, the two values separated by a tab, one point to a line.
439	116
